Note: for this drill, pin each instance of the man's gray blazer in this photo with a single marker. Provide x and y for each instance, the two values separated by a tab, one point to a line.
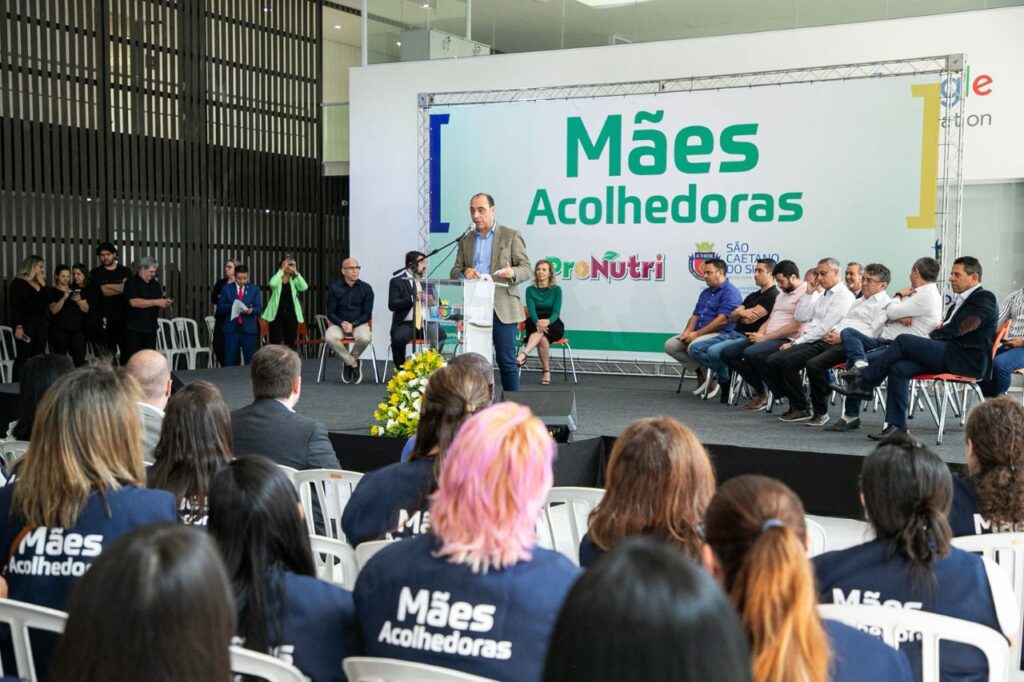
266	427
508	249
151	423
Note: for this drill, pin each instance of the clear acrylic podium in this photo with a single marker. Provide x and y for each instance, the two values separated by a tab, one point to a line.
460	306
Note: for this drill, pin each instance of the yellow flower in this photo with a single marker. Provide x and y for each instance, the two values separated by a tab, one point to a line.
374	430
394	398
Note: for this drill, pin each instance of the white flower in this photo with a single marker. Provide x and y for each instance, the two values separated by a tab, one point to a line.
391	424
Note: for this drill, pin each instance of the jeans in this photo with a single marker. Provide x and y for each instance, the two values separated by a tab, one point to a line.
857	345
749	361
708	353
1006	362
905	357
504	336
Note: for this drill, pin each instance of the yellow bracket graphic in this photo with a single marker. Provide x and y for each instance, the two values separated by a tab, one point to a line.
931	93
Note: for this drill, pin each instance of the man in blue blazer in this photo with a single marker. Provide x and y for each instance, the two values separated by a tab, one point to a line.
962	345
243	331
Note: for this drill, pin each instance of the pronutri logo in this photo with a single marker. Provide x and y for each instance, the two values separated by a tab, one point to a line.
610	267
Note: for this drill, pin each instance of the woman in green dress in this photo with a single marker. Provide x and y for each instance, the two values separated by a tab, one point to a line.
544	323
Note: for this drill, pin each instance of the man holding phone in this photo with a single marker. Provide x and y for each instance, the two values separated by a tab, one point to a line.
146	299
1010	355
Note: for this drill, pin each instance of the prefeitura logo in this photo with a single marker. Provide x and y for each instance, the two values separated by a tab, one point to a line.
705	251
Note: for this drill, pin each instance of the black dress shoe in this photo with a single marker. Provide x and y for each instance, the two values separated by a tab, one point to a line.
851	375
854	389
884	433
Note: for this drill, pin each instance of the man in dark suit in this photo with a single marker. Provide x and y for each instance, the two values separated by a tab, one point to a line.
962	345
269	426
242	332
401	303
498	251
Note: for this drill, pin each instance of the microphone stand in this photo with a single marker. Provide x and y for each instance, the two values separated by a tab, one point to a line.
435	251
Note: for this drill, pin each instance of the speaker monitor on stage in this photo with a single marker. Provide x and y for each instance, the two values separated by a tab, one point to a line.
557	409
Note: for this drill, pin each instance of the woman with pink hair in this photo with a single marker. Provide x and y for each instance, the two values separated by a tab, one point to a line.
476	594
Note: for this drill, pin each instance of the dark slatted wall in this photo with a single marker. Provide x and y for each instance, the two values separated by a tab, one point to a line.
186	130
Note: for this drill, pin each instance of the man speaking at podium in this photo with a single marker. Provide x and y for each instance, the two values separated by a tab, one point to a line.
498	251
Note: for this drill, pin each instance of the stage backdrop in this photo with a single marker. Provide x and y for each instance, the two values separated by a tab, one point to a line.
627	196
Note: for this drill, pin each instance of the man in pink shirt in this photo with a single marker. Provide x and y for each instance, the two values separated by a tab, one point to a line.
781	327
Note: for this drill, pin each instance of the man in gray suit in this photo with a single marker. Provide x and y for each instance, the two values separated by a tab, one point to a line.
500	252
269	426
150	370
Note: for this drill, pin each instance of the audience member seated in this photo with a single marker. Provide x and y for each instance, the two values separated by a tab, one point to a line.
155	606
393	501
269	425
823	306
990	499
39	373
153	374
79	488
962	345
476	594
906	490
757	548
470	360
283	610
1010	355
195	443
645	612
659	482
781	327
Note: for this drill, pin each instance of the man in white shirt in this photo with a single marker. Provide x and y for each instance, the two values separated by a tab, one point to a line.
822	308
150	370
916	310
867	316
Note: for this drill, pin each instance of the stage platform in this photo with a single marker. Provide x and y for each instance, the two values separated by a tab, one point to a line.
822	467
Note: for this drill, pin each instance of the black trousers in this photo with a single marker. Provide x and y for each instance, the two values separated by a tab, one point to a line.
136	341
69	341
402	334
284	328
817	375
783	372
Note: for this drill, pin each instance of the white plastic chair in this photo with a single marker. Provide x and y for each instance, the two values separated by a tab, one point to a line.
186	332
12	450
368	669
1007	550
8	351
290	473
932	628
332	489
567	508
247	662
817	535
167	342
841	533
365	550
211	323
22	617
335	561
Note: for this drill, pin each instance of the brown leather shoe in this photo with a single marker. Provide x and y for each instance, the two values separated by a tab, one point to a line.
757	404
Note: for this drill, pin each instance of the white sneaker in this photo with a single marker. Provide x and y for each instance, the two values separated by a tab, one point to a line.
715	390
700	389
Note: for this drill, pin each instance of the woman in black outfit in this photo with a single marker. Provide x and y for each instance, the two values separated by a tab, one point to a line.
67	321
28	311
92	325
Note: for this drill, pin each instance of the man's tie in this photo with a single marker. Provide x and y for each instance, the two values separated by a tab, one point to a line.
417	312
952	309
241	292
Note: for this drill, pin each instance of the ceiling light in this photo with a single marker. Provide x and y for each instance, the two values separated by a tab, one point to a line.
337	26
267	10
398	43
608	4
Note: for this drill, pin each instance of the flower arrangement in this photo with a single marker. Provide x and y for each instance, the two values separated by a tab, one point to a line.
399	415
